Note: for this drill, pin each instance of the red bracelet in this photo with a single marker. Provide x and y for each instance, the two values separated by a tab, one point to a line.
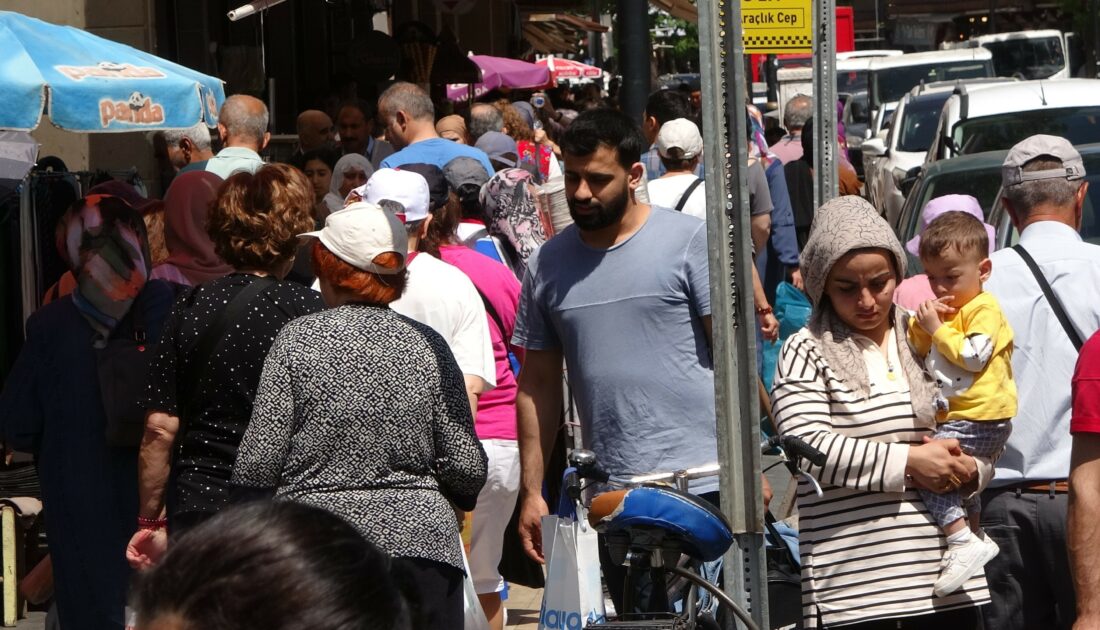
152	523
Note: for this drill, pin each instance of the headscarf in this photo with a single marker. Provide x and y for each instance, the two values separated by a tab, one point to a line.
104	244
454	123
510	200
841	225
186	206
343	165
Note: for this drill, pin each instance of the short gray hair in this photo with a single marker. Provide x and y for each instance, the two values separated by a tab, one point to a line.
483	119
199	135
409	98
242	118
1055	191
798	110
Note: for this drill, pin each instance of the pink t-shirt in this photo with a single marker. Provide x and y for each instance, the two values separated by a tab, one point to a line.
496	409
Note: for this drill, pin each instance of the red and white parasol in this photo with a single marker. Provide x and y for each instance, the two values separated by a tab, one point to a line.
569	69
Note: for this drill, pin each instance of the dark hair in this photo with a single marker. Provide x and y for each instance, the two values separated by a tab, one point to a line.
444	225
273	566
666	105
364	106
609	128
323	154
956	230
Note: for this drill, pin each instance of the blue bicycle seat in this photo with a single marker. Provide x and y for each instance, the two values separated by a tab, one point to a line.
696	523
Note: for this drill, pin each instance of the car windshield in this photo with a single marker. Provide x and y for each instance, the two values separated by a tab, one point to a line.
892	83
1028	58
918	128
982	184
851	82
1079	125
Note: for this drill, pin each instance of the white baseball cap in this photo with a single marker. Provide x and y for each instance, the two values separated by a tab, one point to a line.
679	134
403	186
360	232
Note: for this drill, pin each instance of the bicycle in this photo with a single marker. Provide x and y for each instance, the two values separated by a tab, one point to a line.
668	531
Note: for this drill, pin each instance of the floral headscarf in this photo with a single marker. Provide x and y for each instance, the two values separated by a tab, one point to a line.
511	201
105	245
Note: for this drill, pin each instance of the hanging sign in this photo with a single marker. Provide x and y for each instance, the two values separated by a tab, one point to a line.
777	26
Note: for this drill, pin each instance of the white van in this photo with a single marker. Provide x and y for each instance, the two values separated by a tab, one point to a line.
890	78
1042	54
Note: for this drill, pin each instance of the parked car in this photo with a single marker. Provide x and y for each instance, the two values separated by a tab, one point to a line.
1041	54
889	158
997	117
978	175
1007	236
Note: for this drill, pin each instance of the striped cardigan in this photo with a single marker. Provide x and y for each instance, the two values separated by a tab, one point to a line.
870	550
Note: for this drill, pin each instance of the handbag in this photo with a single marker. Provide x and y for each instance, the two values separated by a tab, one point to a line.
473	616
573	597
122	365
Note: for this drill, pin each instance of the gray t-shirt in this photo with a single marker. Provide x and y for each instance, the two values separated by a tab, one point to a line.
627	320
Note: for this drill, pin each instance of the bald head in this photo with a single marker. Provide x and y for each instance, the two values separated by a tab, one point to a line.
314	129
798	110
242	122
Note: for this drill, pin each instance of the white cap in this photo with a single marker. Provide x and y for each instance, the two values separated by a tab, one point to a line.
405	187
360	232
679	134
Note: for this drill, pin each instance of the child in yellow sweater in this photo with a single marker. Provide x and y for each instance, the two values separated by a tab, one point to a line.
967	346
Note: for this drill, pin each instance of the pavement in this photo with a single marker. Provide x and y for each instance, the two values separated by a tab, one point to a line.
33	621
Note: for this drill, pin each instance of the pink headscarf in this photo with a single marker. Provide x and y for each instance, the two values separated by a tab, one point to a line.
190	250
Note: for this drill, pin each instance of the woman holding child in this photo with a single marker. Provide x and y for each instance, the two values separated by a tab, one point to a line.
850	384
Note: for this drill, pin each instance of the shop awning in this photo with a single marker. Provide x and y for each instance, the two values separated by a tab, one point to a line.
683	9
550	33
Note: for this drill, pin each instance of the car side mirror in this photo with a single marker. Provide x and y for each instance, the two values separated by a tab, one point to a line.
911	178
874	147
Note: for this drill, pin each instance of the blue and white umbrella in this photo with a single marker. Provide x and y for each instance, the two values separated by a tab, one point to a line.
90	84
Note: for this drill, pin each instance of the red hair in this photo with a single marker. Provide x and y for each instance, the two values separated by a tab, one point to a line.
364	286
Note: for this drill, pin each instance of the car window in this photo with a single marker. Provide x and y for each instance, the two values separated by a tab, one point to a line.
918	127
1079	125
851	82
1028	58
892	83
982	184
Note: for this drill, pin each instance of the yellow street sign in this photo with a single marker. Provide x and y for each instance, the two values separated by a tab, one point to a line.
777	26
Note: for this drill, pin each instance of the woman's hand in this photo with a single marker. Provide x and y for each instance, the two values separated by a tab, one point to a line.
540	136
769	326
146	548
939	465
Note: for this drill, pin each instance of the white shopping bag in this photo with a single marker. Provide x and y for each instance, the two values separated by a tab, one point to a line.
573	596
472	613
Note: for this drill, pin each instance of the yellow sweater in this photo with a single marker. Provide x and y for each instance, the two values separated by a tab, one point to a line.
971	358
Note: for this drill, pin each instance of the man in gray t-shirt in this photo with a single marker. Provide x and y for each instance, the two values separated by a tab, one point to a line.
623	295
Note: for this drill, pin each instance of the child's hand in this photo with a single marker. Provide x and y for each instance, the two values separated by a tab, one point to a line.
930	314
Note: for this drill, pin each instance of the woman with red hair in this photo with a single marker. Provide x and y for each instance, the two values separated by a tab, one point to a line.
363	412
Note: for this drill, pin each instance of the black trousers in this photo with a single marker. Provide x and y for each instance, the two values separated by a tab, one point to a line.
433	590
958	619
1030	578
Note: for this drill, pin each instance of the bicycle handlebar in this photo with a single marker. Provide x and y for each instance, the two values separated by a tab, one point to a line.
588	468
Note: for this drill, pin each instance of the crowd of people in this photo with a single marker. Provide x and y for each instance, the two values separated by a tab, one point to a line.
346	360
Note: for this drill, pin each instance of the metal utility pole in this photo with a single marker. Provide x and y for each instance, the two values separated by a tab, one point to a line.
634	52
722	70
825	140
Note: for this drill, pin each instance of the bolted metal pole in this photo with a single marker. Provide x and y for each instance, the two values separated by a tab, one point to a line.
825	140
722	71
634	54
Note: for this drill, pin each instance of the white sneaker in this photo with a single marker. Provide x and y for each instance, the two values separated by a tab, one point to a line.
962	561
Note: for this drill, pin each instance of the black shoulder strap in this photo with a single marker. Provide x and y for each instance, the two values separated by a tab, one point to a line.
1052	299
494	315
687	194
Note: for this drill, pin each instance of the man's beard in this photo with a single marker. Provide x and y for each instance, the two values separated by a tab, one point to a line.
603	215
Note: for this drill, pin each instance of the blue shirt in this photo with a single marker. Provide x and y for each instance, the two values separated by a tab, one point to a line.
438	152
1044	358
628	321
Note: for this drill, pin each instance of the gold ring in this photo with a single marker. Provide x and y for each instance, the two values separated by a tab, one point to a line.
955	482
